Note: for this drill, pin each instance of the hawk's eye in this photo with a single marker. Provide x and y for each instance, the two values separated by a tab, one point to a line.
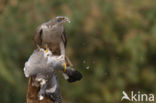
60	19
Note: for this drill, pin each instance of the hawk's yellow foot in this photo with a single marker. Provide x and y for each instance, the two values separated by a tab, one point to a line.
46	50
65	67
46	47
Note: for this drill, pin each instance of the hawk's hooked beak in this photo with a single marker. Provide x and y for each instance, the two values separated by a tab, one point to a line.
66	19
62	19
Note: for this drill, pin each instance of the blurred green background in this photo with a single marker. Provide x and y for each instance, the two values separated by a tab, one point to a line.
112	42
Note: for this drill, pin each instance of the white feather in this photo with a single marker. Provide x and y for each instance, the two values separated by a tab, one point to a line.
65	76
52	90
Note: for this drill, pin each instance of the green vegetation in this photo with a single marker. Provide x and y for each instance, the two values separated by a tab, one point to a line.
112	42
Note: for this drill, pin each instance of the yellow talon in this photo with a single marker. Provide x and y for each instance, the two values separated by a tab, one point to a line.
65	67
46	50
46	46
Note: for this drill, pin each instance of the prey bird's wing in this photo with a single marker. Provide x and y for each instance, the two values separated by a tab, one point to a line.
35	63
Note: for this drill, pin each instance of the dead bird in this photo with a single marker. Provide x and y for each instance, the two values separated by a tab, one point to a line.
43	66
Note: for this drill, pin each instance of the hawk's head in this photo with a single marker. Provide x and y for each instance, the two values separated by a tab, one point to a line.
55	24
62	19
58	21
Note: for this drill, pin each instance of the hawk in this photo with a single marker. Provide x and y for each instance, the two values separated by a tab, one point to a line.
52	35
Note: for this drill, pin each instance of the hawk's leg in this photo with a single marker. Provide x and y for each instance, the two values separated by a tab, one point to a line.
62	49
46	47
70	75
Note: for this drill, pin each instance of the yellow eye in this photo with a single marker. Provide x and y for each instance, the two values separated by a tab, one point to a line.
60	19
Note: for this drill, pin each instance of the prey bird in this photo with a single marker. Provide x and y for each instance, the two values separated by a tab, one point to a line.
42	65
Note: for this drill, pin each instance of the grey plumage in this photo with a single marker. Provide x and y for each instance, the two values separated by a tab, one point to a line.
43	66
50	89
42	62
54	92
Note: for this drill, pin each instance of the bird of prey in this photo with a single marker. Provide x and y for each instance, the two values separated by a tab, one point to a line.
42	65
52	35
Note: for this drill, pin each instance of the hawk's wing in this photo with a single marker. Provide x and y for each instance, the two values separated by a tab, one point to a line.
37	38
64	37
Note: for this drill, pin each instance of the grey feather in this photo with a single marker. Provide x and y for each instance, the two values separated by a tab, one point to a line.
43	66
38	63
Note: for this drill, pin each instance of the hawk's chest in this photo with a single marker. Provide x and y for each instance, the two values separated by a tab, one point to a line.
52	36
